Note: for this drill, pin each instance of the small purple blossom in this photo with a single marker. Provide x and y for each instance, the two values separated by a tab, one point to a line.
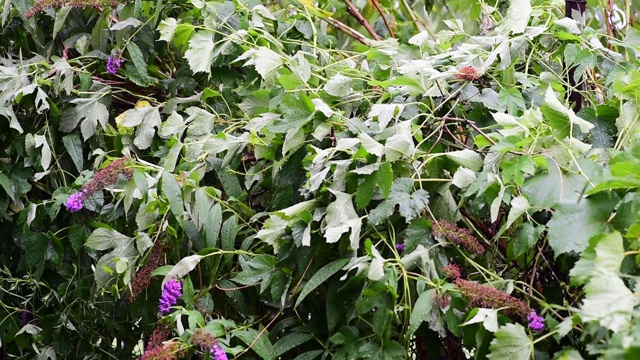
114	62
170	293
75	202
217	352
536	322
26	318
400	247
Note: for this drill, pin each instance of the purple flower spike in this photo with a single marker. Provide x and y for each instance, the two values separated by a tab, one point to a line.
536	322
218	353
400	247
114	62
74	202
170	293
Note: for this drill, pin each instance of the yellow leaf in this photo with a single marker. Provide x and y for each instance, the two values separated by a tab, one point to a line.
313	10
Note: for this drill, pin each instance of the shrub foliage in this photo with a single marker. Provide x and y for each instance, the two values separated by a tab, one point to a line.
318	180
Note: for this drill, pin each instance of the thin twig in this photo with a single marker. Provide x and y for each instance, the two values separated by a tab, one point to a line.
384	17
354	11
348	30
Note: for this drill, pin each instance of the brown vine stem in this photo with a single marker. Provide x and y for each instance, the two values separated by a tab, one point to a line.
384	17
348	30
354	11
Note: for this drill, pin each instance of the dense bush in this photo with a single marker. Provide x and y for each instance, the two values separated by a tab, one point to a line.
303	180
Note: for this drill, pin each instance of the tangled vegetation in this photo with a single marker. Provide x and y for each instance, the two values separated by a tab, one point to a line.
319	180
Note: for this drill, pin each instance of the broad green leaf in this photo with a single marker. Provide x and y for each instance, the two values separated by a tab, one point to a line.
605	252
182	268
525	237
100	33
212	225
421	310
517	17
342	217
309	355
365	191
73	144
266	61
568	355
562	116
488	318
123	24
90	111
200	53
228	233
511	342
320	277
258	341
385	113
467	158
5	183
338	85
604	130
172	191
608	301
167	29
123	253
573	224
290	341
36	246
104	239
140	63
519	205
410	202
61	17
511	98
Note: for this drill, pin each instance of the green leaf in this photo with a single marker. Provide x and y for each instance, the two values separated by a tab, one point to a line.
511	98
467	158
319	277
61	16
525	237
365	191
258	341
5	183
140	65
100	33
309	355
200	53
338	85
604	252
36	246
608	301
123	251
91	111
519	205
410	203
229	232
266	61
511	342
603	118
172	191
290	341
421	310
342	217
517	17
384	179
573	224
73	144
212	225
182	268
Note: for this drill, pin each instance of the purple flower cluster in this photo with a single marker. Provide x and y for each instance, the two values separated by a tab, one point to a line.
217	352
114	62
536	322
105	177
170	293
75	202
26	318
400	247
489	297
459	236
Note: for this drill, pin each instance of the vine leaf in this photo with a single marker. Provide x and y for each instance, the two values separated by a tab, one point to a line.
182	268
258	341
339	85
341	216
200	53
90	110
608	301
124	252
266	61
573	224
511	342
604	252
488	318
517	17
421	310
319	277
410	203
